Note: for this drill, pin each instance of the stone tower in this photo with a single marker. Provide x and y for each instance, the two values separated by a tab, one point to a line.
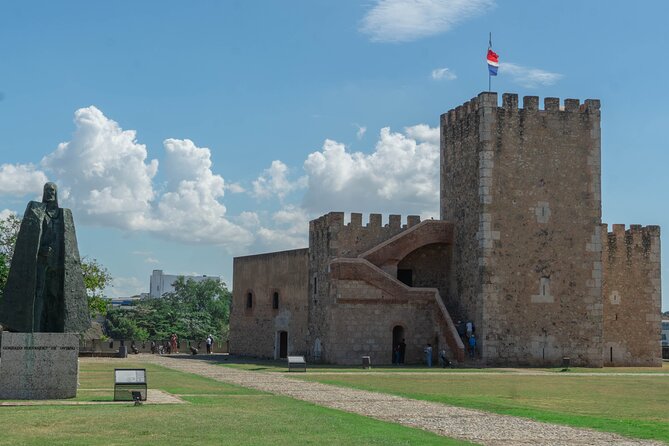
522	187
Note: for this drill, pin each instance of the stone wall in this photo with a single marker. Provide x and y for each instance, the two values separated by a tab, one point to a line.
360	329
330	238
430	266
460	204
370	303
631	296
528	181
254	330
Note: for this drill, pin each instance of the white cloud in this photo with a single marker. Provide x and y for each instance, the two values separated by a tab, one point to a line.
234	188
105	176
151	260
190	210
288	229
104	173
275	181
401	175
408	20
443	73
528	77
21	179
249	219
361	131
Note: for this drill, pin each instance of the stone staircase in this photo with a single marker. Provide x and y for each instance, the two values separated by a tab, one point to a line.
392	290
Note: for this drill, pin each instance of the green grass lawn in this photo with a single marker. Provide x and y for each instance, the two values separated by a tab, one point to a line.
614	400
216	413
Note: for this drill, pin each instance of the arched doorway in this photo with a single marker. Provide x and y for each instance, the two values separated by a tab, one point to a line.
282	341
398	342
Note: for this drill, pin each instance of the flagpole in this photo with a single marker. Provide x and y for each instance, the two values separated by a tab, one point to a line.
489	76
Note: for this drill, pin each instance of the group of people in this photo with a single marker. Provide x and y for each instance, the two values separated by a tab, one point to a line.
172	346
467	332
443	359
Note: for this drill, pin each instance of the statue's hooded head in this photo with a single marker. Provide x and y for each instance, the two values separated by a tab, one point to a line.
50	195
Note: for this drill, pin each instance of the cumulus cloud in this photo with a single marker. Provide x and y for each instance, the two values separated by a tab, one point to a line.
21	179
401	175
190	209
288	228
274	181
529	77
106	177
408	20
104	172
443	74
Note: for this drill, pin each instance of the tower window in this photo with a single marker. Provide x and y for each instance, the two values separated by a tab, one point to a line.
249	300
275	300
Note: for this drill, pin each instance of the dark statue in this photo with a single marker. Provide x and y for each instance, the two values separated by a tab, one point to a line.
45	290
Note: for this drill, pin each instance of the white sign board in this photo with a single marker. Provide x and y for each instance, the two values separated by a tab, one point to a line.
130	376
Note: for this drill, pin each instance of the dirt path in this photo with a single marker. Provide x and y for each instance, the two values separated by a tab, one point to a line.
466	424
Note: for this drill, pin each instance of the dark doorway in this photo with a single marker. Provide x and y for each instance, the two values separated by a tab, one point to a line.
283	344
398	345
405	276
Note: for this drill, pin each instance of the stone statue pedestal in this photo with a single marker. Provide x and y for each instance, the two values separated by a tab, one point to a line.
39	366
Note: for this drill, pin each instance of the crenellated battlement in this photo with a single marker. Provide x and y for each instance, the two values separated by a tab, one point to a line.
637	241
510	104
336	221
330	233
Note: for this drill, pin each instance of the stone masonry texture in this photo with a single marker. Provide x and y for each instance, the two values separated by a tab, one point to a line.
255	328
520	250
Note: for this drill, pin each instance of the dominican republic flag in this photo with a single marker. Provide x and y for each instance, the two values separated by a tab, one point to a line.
493	62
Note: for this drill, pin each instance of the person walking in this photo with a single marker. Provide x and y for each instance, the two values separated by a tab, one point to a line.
428	355
443	360
472	346
210	343
174	343
403	348
396	354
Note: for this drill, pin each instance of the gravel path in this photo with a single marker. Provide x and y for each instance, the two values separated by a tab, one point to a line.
466	424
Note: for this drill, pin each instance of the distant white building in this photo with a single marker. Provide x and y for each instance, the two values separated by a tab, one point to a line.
162	283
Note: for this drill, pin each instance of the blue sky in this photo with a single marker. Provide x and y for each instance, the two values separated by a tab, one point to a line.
182	134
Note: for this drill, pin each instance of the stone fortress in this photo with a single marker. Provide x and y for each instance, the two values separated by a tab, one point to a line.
519	249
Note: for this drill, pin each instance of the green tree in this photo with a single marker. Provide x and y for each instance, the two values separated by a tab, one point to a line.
9	230
96	279
205	307
193	311
119	326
